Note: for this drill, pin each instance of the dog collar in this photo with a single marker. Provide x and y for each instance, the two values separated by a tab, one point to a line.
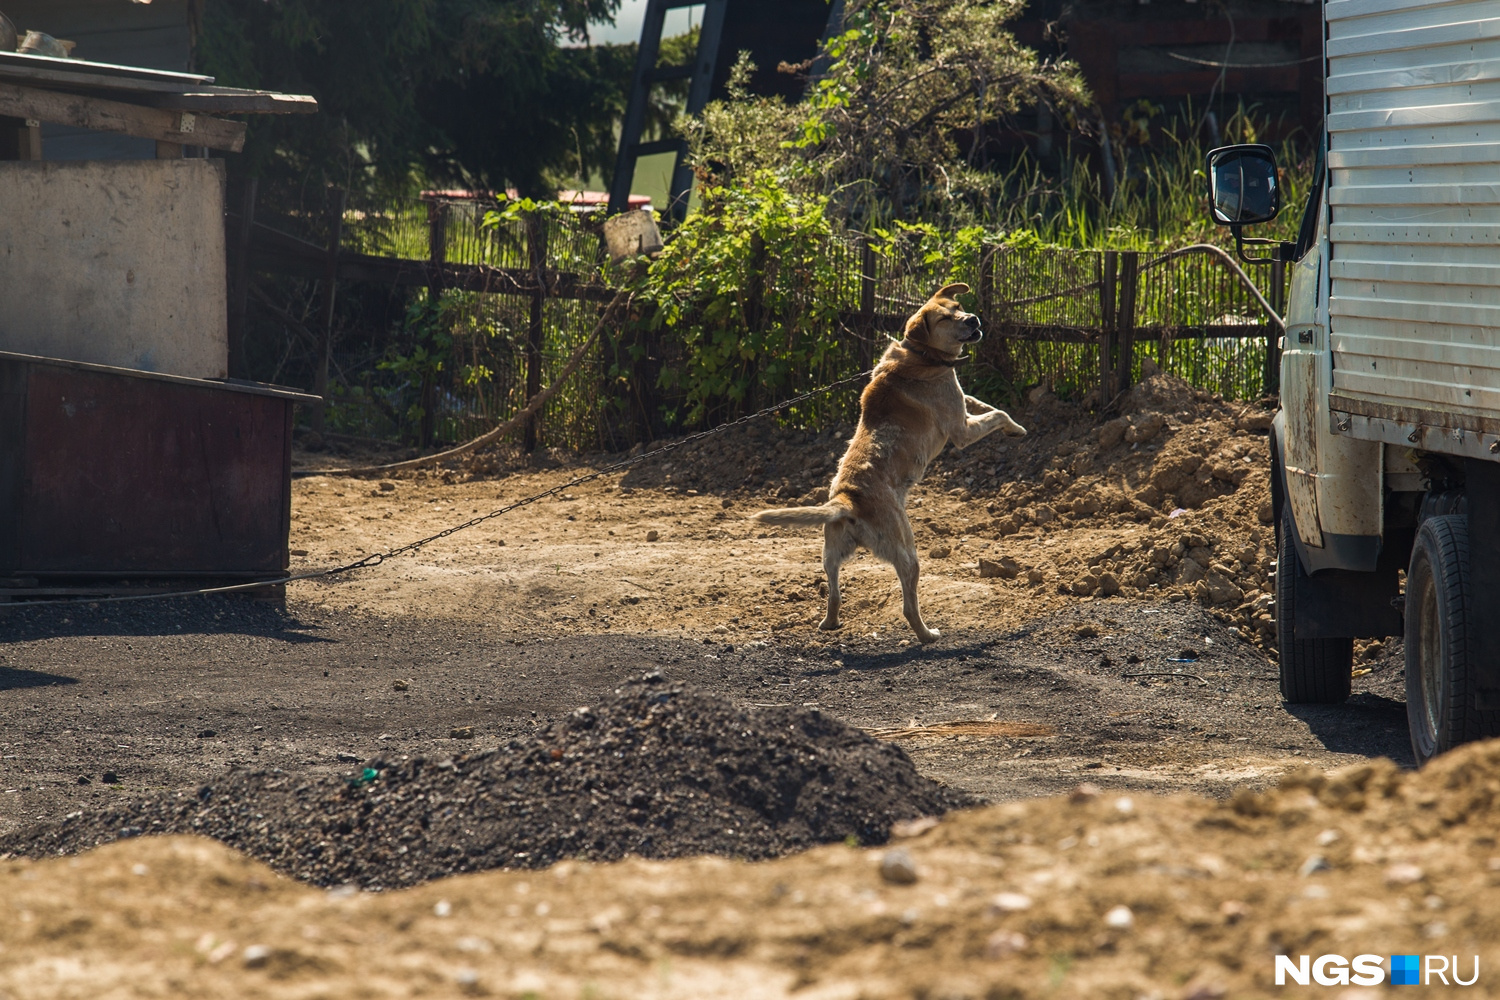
935	359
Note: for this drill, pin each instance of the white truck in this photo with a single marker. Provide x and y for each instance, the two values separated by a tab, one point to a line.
1386	452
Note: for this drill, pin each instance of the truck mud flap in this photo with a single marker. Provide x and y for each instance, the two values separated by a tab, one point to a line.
1340	603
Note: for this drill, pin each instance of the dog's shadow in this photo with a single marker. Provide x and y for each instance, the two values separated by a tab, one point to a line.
905	656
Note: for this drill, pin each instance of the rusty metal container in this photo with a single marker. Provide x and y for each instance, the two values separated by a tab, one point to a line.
113	473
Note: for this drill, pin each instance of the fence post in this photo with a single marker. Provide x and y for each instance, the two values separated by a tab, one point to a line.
866	303
1271	380
330	287
536	251
1109	268
1129	281
437	258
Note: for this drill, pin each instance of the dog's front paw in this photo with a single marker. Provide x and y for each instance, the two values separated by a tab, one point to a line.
1015	430
931	635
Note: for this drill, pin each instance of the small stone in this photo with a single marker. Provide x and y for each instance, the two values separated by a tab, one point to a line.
1125	805
1010	902
207	734
1034	576
652	535
1085	584
1403	874
897	867
1266	513
257	955
1086	631
1006	568
1109	584
110	778
1327	837
940	552
84	779
1314	864
1221	589
1119	918
1086	792
387	486
905	829
462	732
1003	944
1233	911
1143	427
442	908
401	685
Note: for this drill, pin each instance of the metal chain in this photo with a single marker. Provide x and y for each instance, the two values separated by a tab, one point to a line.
375	559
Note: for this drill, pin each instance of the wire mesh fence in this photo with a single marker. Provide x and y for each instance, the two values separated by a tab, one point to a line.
493	305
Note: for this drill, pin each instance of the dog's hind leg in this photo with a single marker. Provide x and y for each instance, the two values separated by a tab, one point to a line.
838	546
907	572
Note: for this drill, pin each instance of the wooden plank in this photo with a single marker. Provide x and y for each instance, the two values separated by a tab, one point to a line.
114	116
224	101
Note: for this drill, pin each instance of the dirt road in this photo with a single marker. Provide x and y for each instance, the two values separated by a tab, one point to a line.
528	616
1101	589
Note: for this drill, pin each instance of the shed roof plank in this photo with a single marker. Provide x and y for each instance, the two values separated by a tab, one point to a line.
224	101
115	116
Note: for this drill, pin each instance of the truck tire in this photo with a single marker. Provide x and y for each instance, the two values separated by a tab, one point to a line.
1313	671
1439	656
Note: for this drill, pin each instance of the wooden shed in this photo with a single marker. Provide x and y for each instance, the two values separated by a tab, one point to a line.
124	449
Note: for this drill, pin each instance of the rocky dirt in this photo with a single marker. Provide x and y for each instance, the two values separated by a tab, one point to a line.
654	771
1092	895
1102	586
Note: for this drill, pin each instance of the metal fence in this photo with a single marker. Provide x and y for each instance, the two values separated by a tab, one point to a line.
520	295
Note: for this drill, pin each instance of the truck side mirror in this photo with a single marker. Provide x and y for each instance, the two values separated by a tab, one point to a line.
1243	187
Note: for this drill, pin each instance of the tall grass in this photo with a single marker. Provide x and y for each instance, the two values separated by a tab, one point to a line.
1160	196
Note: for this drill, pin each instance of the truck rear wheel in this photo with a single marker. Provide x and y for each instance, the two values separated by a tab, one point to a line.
1313	671
1439	656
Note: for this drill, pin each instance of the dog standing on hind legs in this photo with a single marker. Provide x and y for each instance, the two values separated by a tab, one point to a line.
912	407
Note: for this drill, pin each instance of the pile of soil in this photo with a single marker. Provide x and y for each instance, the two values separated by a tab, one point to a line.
656	771
1081	896
1187	469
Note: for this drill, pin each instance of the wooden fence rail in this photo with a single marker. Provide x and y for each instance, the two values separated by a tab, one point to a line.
1080	320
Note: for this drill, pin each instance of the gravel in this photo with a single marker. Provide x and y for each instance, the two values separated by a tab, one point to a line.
657	770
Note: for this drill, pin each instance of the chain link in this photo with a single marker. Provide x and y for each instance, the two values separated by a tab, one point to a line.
375	559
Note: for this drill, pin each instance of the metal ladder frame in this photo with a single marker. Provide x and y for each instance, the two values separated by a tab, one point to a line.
701	72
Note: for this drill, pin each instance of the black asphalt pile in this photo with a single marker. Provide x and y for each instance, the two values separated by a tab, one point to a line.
656	771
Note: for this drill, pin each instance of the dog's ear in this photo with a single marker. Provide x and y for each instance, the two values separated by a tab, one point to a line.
951	291
918	326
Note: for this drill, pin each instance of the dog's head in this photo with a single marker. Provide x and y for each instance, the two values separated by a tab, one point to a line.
942	323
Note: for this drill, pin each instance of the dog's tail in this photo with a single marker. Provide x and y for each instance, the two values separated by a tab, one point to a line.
836	509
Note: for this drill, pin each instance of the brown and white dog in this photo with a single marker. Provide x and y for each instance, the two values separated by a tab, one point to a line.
912	407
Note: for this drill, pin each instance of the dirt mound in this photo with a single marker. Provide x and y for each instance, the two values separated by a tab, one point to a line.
656	771
1081	896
